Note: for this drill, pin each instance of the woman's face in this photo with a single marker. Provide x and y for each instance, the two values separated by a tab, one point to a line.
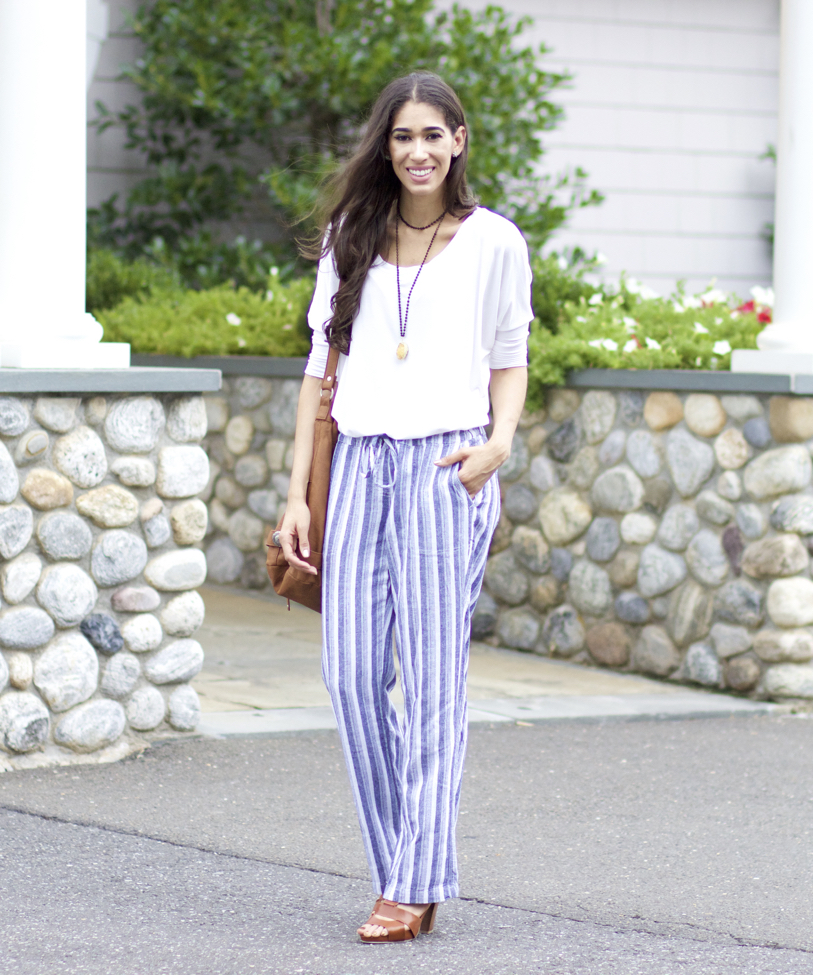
421	147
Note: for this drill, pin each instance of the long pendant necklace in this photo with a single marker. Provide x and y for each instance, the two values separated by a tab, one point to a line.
403	349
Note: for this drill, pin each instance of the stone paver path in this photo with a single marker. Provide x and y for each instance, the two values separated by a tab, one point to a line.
262	675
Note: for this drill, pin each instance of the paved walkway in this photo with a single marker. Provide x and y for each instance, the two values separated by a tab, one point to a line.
262	675
586	846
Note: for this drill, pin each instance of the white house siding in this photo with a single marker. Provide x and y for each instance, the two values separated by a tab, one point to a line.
111	168
672	104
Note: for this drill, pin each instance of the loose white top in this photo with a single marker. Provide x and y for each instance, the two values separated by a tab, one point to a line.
470	313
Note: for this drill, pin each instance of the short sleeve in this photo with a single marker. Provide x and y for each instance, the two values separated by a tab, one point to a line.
514	312
319	314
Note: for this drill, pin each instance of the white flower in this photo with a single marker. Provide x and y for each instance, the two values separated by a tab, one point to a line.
763	296
714	297
635	287
691	301
269	296
233	319
721	348
678	307
718	321
700	329
562	263
629	323
607	344
580	318
287	328
596	299
735	314
601	258
652	344
273	271
630	346
241	342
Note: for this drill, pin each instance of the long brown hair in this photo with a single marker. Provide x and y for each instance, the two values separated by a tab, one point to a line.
361	195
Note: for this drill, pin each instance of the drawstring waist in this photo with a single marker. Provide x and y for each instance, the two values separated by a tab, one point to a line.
375	453
380	454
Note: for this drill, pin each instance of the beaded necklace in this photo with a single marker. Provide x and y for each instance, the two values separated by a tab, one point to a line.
403	349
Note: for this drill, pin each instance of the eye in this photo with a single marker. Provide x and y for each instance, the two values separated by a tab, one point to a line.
401	138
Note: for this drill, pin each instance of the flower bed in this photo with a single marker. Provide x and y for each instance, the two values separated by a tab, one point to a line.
217	321
578	325
632	328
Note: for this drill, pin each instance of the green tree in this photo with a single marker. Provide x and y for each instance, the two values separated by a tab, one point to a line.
243	94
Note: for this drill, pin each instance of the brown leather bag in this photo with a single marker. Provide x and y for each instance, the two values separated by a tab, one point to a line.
287	580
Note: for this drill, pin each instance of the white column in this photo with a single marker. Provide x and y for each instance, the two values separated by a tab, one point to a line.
786	345
43	179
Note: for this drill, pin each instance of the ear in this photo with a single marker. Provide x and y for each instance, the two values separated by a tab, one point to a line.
459	141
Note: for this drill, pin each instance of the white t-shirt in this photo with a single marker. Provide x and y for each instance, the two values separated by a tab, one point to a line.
470	313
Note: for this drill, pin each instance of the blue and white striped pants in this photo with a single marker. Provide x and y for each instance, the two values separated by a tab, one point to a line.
404	556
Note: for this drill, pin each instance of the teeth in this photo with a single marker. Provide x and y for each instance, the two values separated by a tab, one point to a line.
420	172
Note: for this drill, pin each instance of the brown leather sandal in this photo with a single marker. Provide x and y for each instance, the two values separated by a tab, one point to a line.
373	913
401	924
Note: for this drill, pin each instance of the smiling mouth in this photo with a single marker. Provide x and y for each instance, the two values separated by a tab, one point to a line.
420	172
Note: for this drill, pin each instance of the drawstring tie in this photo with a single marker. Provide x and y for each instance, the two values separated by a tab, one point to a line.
375	456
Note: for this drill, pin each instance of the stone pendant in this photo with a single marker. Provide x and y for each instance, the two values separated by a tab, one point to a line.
402	351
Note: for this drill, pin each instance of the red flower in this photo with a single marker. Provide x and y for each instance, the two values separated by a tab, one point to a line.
763	311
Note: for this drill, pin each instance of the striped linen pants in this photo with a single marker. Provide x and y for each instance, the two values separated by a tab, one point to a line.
404	556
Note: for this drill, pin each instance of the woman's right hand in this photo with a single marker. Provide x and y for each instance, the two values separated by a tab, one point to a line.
293	535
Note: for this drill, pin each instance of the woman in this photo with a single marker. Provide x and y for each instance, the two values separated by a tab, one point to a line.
436	293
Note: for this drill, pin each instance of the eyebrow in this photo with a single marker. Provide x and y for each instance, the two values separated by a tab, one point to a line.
428	128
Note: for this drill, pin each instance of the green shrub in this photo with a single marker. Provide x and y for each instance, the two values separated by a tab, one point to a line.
110	279
578	325
218	321
559	279
629	329
244	105
202	262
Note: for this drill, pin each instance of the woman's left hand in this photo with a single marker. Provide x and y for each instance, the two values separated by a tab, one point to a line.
477	463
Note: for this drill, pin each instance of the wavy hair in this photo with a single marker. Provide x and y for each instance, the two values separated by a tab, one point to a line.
362	194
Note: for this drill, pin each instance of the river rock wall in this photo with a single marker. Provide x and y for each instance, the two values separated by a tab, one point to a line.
251	426
660	533
100	557
663	533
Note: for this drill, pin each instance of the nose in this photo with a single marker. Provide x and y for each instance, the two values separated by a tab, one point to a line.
419	151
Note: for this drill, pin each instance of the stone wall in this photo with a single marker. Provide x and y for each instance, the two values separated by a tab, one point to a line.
100	535
656	532
250	446
663	534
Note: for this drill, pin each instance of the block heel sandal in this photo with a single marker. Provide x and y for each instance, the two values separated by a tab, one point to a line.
401	924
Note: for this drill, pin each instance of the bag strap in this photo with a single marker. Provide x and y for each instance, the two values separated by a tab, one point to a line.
328	386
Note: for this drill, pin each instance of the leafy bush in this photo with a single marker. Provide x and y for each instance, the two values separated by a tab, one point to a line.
110	279
631	328
558	280
578	325
240	93
217	321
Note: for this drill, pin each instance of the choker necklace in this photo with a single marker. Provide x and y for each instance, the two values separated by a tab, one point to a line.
400	217
403	349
